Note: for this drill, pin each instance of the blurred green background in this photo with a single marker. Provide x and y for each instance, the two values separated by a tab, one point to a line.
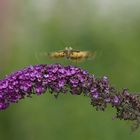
31	28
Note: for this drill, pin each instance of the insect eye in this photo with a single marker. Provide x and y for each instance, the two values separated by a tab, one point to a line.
66	48
70	48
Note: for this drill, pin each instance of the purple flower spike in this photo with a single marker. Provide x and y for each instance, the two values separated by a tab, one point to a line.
57	79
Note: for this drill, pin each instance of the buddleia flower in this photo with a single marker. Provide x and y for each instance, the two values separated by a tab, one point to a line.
58	79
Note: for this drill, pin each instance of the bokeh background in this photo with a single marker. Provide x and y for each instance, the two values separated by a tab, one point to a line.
31	28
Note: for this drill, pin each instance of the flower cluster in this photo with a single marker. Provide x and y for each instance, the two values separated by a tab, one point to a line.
58	79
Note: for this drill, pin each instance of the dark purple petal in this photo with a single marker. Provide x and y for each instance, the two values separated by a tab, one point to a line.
116	100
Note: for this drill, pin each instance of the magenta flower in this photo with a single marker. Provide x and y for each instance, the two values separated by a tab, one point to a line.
58	79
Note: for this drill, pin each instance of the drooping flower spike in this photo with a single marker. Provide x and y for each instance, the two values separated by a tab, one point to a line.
58	79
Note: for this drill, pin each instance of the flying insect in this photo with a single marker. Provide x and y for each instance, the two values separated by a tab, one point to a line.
70	53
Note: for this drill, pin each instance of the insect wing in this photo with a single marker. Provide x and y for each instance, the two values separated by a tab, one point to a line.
81	55
59	54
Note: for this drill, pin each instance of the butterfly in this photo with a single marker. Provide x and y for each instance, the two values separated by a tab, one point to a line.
70	53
